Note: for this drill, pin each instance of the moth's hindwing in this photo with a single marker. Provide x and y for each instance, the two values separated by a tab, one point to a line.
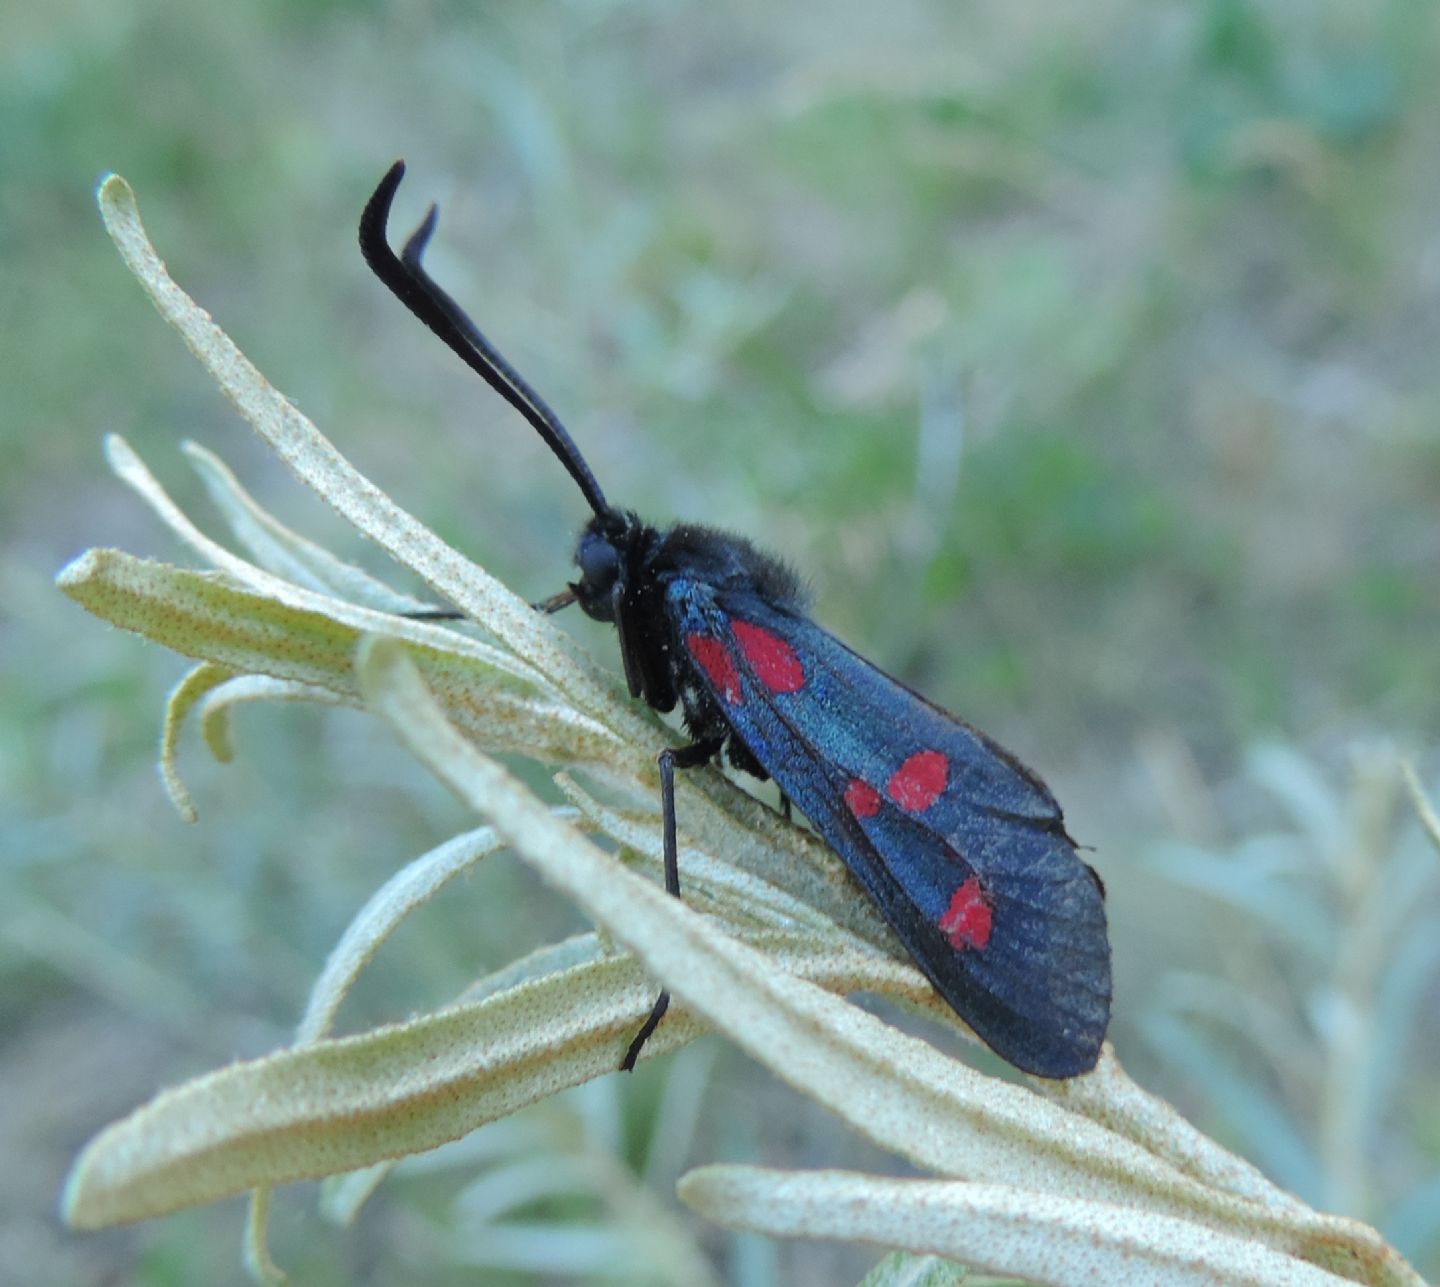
963	849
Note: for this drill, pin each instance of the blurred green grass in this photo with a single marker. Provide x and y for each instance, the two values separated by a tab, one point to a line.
1081	357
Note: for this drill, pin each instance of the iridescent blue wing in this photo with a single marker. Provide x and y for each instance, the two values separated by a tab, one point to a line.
963	849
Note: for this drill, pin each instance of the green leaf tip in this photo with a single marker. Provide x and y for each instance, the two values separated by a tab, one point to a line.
80	570
116	198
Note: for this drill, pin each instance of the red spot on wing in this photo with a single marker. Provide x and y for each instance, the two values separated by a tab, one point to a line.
966	923
862	798
918	782
715	660
774	661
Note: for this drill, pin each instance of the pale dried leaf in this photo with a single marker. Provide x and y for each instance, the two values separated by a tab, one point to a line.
407	890
198	681
203	615
284	552
216	707
339	1105
342	1196
132	470
1043	1238
256	1246
1108	1097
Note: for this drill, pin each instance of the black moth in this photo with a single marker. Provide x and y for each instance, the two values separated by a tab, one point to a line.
962	848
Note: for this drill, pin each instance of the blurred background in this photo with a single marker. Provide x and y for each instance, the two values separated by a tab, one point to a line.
1082	357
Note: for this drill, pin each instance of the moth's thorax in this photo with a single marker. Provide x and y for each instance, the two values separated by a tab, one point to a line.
626	567
726	562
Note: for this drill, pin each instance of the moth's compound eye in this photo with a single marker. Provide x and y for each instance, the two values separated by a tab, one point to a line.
599	563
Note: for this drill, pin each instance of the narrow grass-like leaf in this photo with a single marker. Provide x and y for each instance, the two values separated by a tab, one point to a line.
132	470
206	616
406	891
1063	1241
256	1249
287	554
203	615
1108	1097
1267	1125
217	705
339	1105
198	681
342	1196
552	959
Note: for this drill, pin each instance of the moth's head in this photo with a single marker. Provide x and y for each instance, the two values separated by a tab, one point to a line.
603	556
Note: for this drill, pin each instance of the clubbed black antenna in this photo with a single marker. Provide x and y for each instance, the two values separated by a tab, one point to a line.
413	286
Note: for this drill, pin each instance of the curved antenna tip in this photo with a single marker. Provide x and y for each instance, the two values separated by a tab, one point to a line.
415	245
406	278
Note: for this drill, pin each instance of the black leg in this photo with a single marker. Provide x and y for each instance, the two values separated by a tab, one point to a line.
670	759
785	806
652	1021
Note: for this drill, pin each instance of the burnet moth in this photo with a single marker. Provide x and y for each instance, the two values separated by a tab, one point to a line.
960	845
